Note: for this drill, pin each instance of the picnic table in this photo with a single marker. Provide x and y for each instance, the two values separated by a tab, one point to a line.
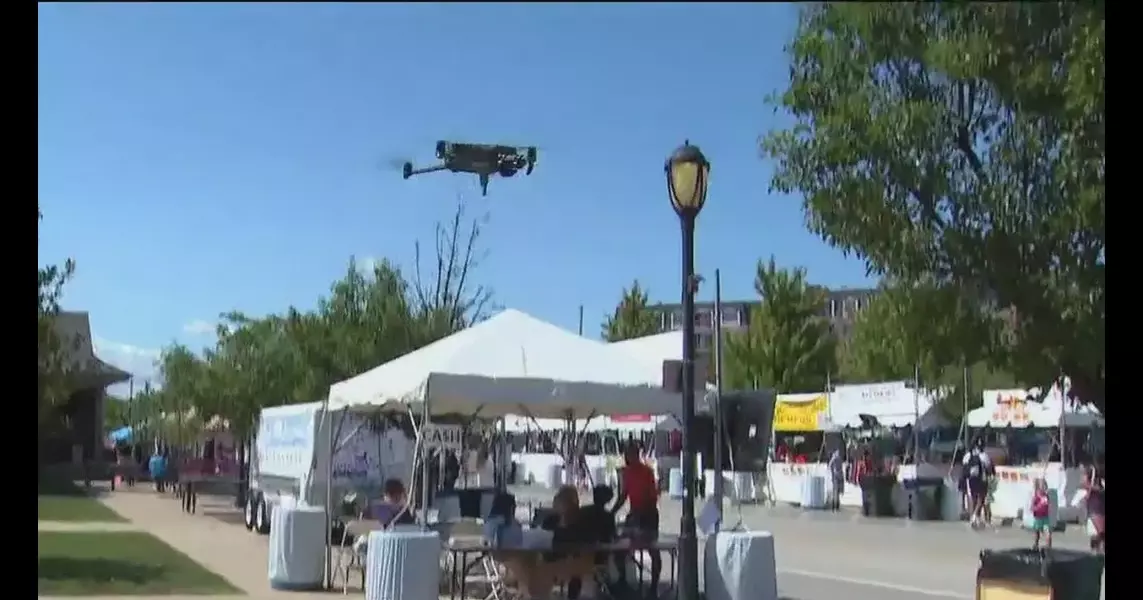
468	552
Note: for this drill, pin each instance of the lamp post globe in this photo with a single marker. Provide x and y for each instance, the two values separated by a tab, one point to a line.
687	174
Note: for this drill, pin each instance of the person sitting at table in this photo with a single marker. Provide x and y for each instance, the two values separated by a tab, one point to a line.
501	529
597	519
598	526
393	509
566	524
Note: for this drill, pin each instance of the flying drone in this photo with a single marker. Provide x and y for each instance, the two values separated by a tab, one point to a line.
483	160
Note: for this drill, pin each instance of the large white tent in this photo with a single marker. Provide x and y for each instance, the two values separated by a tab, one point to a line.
511	363
1015	408
652	350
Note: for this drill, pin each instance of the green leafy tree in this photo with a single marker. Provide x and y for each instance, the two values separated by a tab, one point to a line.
962	144
633	316
788	345
116	412
367	319
916	326
934	330
55	359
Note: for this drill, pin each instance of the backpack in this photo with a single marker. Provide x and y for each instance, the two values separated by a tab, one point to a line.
974	467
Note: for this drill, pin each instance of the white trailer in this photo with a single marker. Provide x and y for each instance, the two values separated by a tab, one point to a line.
290	458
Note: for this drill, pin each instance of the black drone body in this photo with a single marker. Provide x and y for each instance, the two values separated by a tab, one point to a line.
482	160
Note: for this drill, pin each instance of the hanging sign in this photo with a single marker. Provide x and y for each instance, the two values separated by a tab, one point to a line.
1012	412
800	415
442	437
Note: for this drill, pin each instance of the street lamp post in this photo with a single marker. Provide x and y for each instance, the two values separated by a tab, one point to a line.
687	175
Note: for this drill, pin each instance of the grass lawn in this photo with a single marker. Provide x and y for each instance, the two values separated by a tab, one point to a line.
114	564
74	508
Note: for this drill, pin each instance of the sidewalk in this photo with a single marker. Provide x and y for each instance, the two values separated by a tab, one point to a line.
214	537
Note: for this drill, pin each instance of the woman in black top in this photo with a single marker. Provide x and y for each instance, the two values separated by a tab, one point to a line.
568	529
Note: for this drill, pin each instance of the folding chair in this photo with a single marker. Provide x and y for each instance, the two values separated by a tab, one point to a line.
350	553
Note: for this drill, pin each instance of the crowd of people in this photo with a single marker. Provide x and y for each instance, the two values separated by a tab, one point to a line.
978	483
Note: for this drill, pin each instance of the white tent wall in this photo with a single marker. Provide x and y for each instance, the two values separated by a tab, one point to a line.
1001	408
893	404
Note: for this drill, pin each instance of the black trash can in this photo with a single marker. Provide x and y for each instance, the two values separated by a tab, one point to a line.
877	495
924	498
1056	574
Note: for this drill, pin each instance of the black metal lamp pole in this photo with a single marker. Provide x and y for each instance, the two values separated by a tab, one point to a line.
687	175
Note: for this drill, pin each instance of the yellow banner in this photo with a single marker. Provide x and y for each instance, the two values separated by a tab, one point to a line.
799	416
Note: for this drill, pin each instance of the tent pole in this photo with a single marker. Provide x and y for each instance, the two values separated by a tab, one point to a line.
329	441
719	427
423	515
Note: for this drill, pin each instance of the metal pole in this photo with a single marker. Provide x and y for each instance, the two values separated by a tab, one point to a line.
916	413
719	426
326	419
1063	391
964	407
688	541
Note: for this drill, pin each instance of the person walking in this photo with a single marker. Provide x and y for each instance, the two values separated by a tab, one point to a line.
976	466
1094	501
837	474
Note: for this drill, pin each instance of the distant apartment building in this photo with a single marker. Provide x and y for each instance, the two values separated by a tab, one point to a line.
841	308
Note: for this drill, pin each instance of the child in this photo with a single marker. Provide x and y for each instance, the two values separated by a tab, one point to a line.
1041	508
501	529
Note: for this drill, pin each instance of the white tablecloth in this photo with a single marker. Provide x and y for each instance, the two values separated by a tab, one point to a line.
403	565
297	553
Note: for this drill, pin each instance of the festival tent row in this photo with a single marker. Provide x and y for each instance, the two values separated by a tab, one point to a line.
892	404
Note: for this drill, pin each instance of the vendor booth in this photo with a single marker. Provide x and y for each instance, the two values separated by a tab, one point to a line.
1030	439
510	364
808	427
800	424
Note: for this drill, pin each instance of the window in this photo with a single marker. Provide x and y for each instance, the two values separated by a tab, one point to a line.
704	318
731	315
832	308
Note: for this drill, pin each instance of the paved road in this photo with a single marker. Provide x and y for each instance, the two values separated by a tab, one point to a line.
820	556
824	556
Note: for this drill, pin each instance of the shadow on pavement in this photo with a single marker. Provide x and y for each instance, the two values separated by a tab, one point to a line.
230	517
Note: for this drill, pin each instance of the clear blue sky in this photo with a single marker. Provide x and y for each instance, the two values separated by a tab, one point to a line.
200	158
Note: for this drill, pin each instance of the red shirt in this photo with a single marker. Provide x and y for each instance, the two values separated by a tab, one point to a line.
639	485
1040	506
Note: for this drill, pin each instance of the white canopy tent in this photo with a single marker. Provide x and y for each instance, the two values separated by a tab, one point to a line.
510	364
1015	408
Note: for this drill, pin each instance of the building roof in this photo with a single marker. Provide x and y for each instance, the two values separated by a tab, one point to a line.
74	329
